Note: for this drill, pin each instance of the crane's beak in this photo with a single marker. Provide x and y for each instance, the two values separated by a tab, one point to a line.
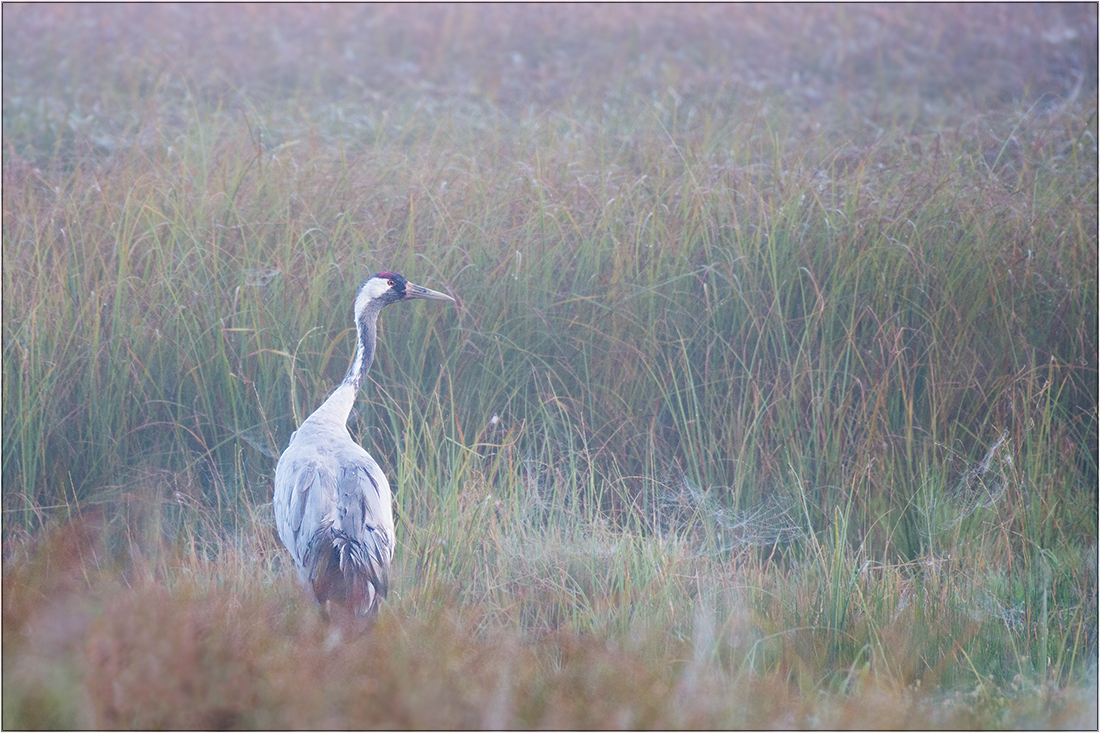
416	291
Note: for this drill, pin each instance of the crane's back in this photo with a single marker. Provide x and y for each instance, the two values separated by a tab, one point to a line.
334	513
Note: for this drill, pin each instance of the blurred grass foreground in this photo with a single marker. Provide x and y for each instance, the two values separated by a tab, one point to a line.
771	398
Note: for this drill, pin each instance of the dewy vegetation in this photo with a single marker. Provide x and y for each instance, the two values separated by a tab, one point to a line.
771	398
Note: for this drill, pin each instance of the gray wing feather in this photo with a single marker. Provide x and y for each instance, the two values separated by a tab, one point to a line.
302	501
369	546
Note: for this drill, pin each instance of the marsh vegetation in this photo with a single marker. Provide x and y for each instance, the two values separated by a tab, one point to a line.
771	398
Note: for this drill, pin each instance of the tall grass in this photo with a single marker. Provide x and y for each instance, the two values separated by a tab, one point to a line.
770	398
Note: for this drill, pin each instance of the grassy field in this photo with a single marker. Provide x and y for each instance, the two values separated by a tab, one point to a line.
770	399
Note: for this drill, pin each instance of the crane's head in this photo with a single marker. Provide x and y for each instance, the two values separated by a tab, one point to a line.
389	287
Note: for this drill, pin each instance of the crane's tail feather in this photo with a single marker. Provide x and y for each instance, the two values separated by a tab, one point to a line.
364	560
350	572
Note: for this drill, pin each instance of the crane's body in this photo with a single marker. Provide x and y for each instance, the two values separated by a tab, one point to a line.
333	505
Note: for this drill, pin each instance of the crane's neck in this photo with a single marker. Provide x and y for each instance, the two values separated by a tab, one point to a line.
338	406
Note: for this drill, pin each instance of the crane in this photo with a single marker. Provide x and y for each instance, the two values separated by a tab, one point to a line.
333	506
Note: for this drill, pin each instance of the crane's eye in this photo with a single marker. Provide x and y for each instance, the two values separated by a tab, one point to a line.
392	284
